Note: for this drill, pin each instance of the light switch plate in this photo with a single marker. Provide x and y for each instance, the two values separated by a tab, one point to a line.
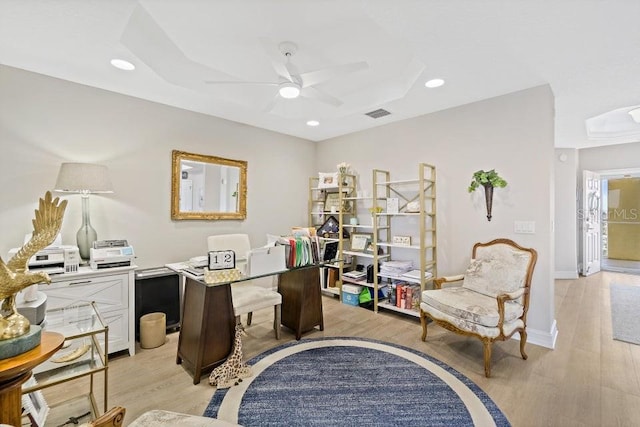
524	227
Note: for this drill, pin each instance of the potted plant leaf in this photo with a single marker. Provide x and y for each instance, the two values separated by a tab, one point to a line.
489	180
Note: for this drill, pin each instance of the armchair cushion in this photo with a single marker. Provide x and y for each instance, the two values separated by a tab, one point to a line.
470	306
495	276
469	326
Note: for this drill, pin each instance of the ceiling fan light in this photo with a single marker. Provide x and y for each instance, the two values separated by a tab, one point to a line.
635	114
289	90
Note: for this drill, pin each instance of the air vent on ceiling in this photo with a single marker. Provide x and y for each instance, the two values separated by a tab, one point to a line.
376	114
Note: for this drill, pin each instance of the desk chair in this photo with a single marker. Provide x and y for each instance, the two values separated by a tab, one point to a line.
253	294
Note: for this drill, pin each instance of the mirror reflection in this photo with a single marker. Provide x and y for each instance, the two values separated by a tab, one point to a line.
208	187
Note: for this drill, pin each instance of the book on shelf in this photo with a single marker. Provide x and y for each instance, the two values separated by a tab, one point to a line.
355	274
407	296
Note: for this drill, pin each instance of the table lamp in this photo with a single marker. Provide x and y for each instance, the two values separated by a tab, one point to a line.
84	178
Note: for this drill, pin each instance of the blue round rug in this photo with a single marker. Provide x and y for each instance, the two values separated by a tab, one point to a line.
353	381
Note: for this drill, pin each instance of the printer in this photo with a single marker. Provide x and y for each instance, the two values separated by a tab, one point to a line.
54	259
110	254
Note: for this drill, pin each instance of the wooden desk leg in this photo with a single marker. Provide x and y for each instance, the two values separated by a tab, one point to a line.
207	329
11	400
301	300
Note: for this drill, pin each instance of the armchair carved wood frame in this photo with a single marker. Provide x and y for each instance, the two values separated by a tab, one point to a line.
492	302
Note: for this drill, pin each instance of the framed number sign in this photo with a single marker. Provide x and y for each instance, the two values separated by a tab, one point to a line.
222	260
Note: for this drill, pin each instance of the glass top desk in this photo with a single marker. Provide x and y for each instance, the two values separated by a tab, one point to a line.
207	327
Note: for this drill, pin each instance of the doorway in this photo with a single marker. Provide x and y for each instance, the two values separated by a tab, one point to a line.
621	221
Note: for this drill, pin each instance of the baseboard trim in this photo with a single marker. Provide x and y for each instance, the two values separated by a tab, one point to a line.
541	338
569	274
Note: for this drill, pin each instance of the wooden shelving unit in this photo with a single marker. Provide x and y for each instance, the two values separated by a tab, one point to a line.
319	212
423	191
420	223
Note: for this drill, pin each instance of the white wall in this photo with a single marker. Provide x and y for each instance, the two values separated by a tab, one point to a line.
513	134
621	156
566	231
46	121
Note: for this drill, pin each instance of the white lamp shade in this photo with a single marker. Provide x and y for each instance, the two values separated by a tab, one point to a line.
83	178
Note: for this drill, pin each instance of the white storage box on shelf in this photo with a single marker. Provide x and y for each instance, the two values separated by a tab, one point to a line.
351	294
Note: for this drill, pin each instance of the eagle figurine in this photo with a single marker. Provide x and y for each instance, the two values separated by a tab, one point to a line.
15	275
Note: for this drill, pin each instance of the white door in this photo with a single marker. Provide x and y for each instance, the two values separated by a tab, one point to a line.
590	222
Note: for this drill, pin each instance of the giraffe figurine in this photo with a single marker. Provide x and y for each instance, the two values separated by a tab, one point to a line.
234	369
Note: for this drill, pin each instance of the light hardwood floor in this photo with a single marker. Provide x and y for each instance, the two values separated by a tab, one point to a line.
588	380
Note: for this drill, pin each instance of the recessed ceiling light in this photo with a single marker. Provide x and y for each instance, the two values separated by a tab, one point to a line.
123	65
434	83
635	114
313	123
289	90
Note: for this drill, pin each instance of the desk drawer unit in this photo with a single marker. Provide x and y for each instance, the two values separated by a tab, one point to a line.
111	292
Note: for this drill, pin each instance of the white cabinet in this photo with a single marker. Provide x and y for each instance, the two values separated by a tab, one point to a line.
112	290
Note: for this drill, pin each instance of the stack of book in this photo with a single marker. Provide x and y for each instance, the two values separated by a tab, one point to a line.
356	275
407	296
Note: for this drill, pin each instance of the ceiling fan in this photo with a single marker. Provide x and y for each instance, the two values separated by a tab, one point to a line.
292	84
146	39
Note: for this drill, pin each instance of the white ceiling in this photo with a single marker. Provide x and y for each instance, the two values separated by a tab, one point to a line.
587	51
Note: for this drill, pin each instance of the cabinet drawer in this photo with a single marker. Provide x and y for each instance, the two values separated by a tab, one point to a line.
118	323
111	293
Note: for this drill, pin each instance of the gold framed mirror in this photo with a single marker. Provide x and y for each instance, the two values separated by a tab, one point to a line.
207	187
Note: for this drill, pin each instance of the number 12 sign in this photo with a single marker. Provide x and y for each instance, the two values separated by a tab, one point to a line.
222	260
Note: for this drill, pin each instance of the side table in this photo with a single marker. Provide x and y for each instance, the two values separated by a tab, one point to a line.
14	371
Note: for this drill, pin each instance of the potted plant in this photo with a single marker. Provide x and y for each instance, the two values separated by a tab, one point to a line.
489	180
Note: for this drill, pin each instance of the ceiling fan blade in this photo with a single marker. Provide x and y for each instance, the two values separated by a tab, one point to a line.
313	93
231	82
271	104
150	43
277	59
319	76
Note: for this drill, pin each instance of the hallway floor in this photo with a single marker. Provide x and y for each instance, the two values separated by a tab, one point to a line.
620	266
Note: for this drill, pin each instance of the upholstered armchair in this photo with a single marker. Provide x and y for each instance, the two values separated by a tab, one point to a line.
250	295
114	417
492	301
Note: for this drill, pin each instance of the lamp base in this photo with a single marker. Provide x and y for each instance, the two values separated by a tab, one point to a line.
86	235
85	238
